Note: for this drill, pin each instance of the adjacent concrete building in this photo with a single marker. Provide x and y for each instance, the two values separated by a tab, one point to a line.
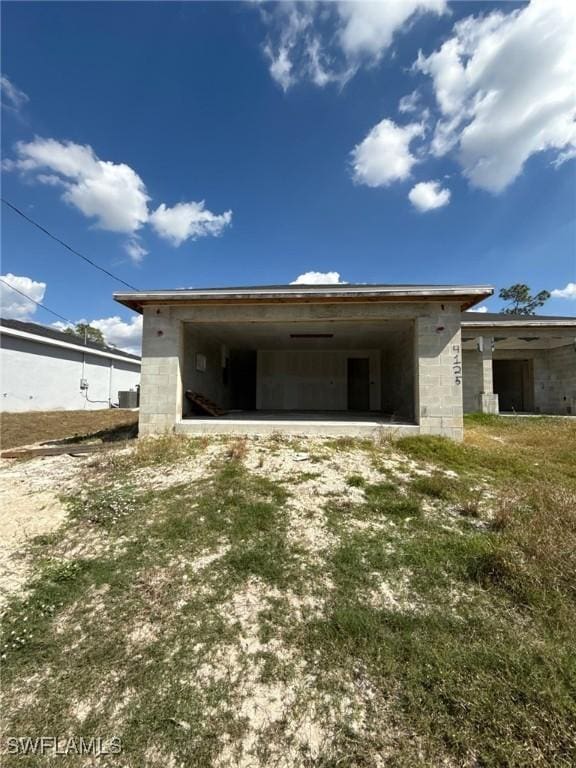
42	369
345	359
519	364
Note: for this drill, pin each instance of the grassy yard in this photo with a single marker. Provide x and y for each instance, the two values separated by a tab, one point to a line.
314	603
40	426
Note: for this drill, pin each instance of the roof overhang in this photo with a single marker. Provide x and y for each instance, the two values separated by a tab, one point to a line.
464	295
516	323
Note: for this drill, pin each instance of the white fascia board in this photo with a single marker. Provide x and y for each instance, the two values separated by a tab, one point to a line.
304	290
65	345
569	322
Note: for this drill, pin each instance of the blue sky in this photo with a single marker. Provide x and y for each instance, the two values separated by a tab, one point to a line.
286	119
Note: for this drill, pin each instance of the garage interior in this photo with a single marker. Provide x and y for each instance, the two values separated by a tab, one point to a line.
331	370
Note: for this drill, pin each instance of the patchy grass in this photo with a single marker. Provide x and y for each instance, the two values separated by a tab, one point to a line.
362	607
437	486
503	448
158	451
41	426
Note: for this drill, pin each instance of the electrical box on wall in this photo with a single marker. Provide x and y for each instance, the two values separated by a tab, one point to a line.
83	383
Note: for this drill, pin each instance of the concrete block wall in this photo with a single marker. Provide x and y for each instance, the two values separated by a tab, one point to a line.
473	380
160	385
477	391
398	376
562	379
439	374
554	376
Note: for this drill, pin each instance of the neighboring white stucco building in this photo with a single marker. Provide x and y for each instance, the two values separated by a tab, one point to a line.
42	369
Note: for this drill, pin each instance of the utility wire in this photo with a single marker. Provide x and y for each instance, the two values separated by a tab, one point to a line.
68	247
38	304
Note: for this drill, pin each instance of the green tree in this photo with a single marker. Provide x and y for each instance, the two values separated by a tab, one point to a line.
87	332
521	302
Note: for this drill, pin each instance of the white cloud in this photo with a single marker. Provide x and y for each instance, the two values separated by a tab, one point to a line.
121	334
328	42
117	332
504	84
569	292
410	102
481	309
126	336
13	304
12	97
318	278
188	220
280	65
369	27
295	50
112	193
429	195
384	155
135	250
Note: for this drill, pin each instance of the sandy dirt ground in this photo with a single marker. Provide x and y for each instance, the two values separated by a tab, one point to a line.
30	506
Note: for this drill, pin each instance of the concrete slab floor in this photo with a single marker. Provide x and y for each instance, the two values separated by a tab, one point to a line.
331	423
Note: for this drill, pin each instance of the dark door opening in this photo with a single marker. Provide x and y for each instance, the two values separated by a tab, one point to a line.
514	384
358	384
243	379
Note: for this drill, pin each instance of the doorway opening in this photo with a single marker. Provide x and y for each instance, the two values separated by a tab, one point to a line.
358	381
243	366
514	384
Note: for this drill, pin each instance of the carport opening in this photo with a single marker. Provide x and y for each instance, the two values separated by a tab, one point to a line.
513	382
257	369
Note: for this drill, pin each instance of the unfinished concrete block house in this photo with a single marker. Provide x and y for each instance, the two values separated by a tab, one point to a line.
344	359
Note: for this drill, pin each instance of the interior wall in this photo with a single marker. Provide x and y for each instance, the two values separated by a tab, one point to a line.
311	379
211	381
398	380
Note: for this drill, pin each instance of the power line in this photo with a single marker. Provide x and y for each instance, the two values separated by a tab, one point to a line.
68	247
38	304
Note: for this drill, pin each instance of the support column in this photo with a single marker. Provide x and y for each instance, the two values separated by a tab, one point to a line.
438	366
161	381
488	400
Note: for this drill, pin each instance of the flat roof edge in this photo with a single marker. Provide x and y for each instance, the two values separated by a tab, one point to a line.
569	322
467	294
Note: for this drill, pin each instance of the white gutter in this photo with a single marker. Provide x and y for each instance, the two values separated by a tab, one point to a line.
65	345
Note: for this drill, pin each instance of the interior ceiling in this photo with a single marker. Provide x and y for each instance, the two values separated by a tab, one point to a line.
349	335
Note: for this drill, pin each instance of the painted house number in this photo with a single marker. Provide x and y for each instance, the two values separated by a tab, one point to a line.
457	364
